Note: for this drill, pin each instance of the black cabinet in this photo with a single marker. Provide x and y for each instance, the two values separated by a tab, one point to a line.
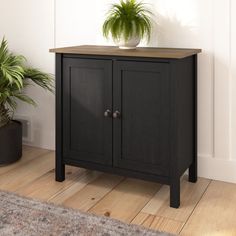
130	114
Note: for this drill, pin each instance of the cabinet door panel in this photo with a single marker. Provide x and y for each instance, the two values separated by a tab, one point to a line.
87	94
141	135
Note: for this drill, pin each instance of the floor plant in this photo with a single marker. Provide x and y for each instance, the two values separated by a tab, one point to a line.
15	75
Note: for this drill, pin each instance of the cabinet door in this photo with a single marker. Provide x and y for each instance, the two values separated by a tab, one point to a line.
142	132
87	94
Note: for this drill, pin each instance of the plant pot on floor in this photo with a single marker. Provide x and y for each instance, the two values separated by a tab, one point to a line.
10	142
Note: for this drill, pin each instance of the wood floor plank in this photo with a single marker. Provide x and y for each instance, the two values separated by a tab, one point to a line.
17	178
45	186
86	178
93	192
158	223
28	154
207	208
140	218
215	215
166	225
148	221
190	195
126	200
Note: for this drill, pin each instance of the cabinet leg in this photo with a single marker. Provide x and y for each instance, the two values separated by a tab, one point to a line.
60	172
175	193
192	173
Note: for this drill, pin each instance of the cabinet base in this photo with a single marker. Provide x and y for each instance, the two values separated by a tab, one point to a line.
175	193
192	177
60	173
174	184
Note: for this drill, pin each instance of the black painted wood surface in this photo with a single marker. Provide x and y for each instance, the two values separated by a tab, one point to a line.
151	130
142	135
87	133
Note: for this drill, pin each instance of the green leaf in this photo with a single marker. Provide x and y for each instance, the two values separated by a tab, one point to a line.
14	77
41	79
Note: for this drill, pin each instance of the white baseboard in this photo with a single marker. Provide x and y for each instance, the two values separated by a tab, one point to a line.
50	148
217	169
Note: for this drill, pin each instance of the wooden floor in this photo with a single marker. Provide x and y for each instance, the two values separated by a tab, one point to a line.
207	207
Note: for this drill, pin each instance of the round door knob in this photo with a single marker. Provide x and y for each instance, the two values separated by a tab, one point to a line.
116	114
107	113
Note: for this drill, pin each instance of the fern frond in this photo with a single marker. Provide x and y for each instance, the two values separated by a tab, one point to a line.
14	76
127	19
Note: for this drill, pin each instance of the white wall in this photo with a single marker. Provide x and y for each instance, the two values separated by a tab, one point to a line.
29	27
206	24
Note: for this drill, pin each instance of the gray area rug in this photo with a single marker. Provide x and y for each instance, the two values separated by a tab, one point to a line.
22	217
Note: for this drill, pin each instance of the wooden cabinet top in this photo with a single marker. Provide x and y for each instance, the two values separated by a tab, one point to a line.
170	53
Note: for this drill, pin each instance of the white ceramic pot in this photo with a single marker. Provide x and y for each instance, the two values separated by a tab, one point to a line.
131	43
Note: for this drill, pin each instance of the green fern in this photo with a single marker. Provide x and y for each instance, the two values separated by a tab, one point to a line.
126	19
14	77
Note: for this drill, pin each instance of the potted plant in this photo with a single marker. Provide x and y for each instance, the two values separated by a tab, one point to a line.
14	77
128	22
